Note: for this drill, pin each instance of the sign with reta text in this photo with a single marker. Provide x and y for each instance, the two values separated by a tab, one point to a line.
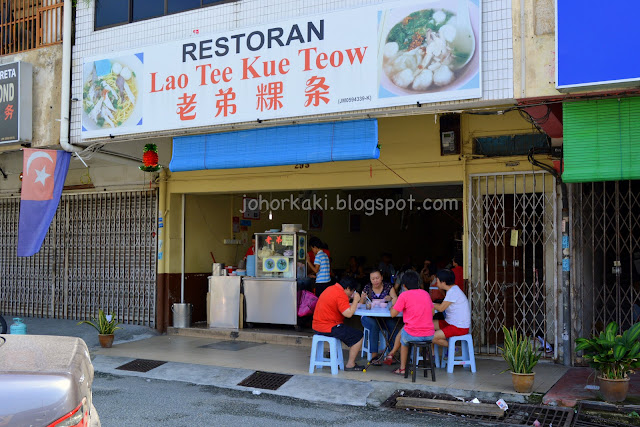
15	102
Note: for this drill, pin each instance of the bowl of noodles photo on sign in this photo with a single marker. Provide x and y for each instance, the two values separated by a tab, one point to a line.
430	47
111	93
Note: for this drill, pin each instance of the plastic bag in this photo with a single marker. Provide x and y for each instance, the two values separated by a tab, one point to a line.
306	303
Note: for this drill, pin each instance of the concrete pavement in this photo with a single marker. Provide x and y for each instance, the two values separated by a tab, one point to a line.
212	360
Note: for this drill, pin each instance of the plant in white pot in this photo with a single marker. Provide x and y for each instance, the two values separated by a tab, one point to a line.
613	356
106	325
521	356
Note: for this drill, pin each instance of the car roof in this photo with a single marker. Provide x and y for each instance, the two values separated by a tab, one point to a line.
39	353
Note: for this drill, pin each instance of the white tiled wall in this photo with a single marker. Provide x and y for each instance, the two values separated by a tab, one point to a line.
497	58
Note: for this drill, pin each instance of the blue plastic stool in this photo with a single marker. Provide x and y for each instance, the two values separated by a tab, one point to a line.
466	359
366	345
317	354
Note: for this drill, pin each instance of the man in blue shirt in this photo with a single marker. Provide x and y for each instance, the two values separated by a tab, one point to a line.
320	266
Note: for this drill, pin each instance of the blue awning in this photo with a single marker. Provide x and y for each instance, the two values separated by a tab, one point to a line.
277	146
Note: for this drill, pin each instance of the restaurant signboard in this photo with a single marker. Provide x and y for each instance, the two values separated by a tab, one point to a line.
386	55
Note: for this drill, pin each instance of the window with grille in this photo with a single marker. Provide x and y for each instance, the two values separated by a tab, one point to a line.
29	24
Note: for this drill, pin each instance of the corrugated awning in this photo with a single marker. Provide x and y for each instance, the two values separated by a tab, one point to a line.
601	140
277	146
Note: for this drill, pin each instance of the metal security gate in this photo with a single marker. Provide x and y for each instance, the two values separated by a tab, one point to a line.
513	258
99	253
606	268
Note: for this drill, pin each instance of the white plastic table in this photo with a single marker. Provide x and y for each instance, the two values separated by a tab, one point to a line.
375	312
379	313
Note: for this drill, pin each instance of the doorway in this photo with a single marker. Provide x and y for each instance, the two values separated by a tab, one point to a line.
606	270
513	258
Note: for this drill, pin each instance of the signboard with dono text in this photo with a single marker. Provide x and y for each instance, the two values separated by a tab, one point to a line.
393	54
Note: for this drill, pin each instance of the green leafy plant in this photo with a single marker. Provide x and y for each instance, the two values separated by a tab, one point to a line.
103	324
613	355
519	352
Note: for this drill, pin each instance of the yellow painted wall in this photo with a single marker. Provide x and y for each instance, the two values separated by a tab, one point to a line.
410	155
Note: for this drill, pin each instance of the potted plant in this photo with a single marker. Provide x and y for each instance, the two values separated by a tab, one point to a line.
106	325
520	354
613	356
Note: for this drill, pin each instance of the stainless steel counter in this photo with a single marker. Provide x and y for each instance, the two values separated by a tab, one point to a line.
224	301
271	300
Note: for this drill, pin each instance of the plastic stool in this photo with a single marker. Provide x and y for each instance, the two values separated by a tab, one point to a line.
336	359
466	359
366	345
421	352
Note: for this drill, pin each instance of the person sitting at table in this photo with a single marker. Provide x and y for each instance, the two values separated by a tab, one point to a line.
377	289
328	318
386	266
417	312
354	269
425	272
456	304
458	271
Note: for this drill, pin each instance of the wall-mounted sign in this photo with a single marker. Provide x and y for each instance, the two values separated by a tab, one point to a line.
377	56
15	102
588	57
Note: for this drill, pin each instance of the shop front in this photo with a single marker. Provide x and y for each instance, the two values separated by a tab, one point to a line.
409	203
376	128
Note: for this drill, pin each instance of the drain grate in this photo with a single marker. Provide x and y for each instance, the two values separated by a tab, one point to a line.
518	414
141	365
590	416
265	380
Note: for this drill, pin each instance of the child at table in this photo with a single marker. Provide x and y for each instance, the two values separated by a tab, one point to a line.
456	304
417	312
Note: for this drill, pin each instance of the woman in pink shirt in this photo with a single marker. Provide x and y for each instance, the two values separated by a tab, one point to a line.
417	313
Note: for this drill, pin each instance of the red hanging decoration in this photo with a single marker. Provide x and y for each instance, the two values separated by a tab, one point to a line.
150	158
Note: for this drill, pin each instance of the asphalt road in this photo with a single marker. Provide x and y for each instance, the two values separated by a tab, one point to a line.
135	401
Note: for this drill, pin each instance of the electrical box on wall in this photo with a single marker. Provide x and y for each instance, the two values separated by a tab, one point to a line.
450	134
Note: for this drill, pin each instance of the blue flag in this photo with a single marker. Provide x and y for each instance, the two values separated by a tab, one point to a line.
44	173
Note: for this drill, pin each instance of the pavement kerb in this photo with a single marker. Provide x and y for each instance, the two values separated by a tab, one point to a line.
319	389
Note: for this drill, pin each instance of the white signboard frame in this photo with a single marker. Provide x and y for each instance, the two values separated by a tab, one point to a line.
393	54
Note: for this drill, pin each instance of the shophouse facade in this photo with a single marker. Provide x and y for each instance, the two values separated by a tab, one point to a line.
98	252
586	101
200	80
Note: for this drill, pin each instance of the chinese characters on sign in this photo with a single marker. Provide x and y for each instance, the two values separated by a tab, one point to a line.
311	65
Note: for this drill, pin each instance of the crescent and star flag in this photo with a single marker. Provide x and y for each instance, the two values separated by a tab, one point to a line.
43	176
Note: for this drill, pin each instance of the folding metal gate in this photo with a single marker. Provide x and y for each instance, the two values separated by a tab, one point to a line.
513	257
99	253
606	255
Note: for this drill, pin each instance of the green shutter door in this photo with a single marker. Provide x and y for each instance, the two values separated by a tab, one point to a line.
601	140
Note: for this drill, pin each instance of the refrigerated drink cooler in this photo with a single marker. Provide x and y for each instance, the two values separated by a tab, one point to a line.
280	260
